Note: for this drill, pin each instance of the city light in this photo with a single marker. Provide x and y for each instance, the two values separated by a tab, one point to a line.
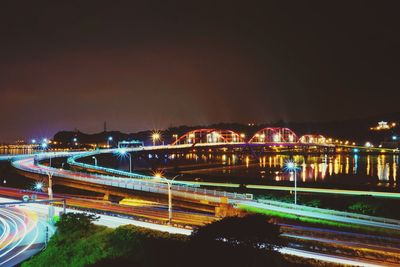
158	174
155	136
122	151
38	186
368	144
110	138
291	166
394	137
33	141
44	145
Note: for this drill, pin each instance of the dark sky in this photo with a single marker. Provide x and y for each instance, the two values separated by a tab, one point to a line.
152	64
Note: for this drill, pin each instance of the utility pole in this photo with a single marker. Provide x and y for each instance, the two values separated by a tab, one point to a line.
50	193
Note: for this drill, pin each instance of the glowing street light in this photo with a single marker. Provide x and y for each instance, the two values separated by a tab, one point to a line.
155	137
38	186
394	137
123	152
109	139
159	176
368	144
95	160
291	166
33	141
43	145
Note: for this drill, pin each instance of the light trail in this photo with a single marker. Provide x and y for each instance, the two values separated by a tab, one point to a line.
327	258
327	191
114	222
25	231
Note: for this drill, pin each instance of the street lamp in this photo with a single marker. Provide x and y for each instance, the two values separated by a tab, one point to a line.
291	166
95	160
155	136
38	186
169	184
123	152
109	139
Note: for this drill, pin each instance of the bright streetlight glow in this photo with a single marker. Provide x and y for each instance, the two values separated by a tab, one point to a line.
122	152
159	176
38	186
155	137
291	166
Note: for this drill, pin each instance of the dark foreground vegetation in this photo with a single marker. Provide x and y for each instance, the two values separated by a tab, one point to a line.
247	241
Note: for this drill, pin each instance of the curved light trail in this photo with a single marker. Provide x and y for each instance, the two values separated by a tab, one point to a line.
23	234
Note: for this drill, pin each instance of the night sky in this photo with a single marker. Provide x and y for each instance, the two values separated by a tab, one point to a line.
154	64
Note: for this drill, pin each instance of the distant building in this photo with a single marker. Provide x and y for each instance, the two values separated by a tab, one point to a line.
383	125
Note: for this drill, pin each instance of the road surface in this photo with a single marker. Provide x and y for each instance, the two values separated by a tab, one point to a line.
22	234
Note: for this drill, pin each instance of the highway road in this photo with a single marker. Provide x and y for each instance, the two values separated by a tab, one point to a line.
111	221
146	211
22	234
28	164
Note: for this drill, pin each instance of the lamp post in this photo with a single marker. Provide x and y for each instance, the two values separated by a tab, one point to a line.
291	166
95	160
109	139
155	137
130	162
169	185
50	193
123	152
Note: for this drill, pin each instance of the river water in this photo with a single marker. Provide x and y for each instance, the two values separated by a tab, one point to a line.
357	171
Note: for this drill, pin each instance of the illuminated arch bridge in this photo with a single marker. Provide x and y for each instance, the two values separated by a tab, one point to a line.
209	136
313	139
274	135
269	135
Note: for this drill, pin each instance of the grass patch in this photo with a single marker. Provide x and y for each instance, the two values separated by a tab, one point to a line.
315	221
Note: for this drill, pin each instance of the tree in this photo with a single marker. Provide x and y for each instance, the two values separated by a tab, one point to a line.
75	223
252	231
239	241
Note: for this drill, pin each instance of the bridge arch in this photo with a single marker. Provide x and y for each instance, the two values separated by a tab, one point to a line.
210	136
312	139
274	135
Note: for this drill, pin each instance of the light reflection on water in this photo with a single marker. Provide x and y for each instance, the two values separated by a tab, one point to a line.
343	168
16	151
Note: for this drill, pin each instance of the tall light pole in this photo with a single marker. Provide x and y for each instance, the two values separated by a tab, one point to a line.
123	152
95	160
50	188
130	162
291	166
169	185
109	139
155	136
50	193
